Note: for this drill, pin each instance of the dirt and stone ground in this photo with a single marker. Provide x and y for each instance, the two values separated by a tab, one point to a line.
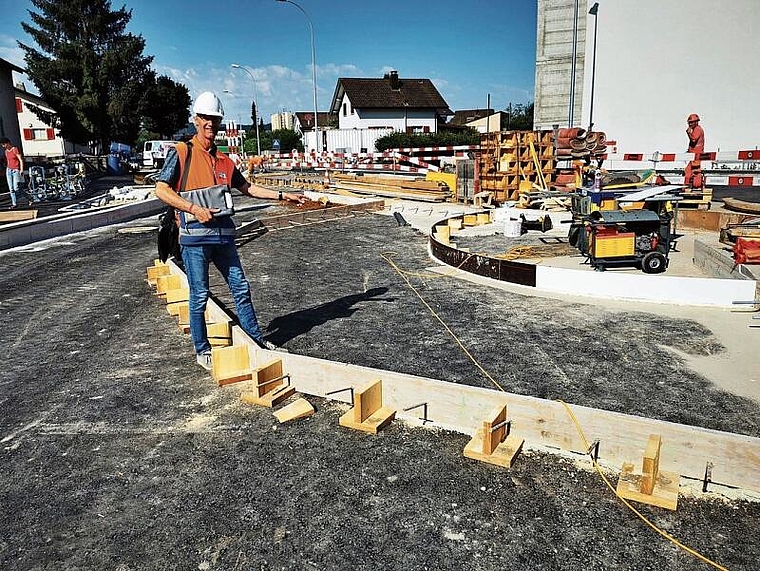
118	452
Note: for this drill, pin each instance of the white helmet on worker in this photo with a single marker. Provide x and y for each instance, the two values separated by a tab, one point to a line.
208	103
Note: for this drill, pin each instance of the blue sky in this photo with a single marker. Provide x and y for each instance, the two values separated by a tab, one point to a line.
468	48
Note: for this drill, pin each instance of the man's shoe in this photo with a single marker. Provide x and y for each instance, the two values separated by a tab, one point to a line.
204	360
269	346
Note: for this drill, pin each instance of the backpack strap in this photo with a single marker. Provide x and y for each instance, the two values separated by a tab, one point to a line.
186	170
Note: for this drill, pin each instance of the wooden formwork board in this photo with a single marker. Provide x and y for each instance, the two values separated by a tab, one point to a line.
541	422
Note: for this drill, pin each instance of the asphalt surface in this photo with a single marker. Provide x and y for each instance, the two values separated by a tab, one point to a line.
118	452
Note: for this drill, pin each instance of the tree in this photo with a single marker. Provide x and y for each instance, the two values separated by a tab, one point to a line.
164	106
519	117
87	68
288	138
445	138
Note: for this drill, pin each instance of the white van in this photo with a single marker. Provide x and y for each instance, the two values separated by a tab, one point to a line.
154	153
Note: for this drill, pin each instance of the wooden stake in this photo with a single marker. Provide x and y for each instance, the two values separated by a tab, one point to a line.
492	444
230	364
270	386
368	413
652	486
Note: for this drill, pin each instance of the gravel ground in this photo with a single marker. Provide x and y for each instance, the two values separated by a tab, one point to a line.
118	452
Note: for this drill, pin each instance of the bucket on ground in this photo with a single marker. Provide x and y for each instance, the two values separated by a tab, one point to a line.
513	228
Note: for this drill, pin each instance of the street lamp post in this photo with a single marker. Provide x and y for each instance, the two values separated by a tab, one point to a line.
317	142
594	12
255	119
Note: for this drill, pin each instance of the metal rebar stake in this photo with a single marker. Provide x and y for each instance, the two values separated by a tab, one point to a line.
708	476
342	390
424	406
595	449
276	379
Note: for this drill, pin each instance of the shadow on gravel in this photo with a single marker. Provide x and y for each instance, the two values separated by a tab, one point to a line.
287	327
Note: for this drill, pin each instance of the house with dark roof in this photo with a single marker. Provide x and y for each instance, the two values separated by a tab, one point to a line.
463	116
304	121
401	104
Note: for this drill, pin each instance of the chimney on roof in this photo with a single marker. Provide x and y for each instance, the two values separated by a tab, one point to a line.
393	77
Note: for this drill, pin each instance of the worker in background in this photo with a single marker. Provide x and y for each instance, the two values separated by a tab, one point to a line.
14	162
213	240
696	134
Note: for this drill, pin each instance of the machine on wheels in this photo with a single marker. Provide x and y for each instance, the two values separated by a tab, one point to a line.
618	238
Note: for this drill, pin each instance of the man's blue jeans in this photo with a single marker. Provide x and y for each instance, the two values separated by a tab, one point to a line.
13	176
227	261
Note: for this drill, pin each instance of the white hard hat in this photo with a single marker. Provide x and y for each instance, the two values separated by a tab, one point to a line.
208	104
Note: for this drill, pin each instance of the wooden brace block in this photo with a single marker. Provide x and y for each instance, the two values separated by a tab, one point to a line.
183	313
470	220
230	364
300	408
167	282
484	218
443	234
174	297
155	271
368	413
653	486
219	334
491	443
455	224
270	386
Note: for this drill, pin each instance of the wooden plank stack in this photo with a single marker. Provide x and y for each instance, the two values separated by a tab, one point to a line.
393	187
506	161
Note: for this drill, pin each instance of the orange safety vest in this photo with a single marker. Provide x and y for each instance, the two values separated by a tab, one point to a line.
205	169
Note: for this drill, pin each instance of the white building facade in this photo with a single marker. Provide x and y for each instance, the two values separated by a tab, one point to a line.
656	63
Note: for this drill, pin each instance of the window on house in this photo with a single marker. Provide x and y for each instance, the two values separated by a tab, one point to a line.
344	110
39	134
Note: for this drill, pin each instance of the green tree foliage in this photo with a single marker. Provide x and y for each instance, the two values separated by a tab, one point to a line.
88	69
288	138
519	117
401	140
164	106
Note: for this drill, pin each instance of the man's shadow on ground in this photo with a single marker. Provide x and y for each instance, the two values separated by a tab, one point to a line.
286	327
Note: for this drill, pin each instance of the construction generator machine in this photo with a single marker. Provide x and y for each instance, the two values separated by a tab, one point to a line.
618	238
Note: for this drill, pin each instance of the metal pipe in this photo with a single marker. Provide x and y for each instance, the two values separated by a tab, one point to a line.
571	113
317	142
594	11
255	103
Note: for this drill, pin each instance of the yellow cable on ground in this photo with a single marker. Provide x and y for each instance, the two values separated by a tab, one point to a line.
432	311
628	504
387	257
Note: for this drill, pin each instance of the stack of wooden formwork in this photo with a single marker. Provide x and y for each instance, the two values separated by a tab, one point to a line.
506	160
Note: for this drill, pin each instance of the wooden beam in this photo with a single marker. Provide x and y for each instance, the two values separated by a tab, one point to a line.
17	215
542	423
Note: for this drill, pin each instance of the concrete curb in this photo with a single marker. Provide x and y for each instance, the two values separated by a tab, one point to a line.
30	231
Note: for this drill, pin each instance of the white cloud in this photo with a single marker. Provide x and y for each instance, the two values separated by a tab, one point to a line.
277	87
